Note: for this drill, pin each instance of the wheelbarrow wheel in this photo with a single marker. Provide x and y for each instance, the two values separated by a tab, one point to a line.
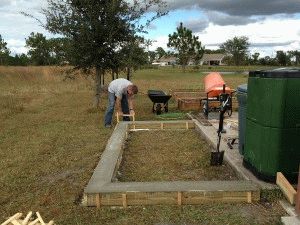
166	108
158	109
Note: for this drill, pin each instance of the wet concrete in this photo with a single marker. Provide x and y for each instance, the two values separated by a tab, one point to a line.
232	156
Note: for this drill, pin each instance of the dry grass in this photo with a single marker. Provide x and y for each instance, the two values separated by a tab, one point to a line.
170	156
51	139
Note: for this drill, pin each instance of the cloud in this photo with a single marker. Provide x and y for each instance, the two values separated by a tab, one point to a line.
272	44
4	3
242	8
268	36
225	19
152	26
196	25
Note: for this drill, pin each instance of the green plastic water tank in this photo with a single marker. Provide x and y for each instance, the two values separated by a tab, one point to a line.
242	100
273	123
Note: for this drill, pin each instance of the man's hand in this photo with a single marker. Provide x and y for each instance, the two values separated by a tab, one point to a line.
131	112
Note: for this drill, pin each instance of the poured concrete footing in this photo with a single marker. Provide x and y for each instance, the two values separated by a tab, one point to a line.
102	191
232	156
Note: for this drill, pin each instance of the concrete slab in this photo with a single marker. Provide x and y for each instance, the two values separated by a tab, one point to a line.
290	220
232	156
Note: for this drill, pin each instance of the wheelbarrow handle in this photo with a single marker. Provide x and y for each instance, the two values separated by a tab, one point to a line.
129	115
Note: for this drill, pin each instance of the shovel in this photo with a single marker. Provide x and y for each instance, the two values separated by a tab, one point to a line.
216	158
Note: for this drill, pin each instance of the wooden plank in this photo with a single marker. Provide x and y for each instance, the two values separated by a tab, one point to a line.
14	217
15	222
286	188
34	222
40	218
177	198
25	221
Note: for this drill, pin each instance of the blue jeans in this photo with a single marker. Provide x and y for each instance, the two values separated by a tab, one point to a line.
111	106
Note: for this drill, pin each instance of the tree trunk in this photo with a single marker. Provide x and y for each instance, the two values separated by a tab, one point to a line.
117	73
112	74
128	73
99	75
102	77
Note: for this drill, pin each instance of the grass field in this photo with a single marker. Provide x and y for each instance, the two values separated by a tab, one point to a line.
170	156
51	139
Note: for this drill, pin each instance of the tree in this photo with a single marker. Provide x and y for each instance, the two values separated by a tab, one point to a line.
19	60
151	56
4	51
59	50
295	55
211	51
160	52
237	48
282	58
187	45
98	29
39	49
254	58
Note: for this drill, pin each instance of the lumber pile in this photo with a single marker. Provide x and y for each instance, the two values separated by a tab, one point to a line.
28	220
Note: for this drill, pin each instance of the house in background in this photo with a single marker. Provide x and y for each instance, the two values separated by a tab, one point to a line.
212	59
165	61
207	59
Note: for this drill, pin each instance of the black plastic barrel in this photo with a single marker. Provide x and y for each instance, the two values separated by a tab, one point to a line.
242	100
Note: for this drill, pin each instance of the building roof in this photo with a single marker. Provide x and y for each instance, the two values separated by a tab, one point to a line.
167	59
212	57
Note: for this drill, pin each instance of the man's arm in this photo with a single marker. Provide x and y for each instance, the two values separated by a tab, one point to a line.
130	104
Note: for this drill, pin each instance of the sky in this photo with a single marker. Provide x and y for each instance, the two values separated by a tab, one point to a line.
271	25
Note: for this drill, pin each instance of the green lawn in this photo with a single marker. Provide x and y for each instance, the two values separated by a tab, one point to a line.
51	139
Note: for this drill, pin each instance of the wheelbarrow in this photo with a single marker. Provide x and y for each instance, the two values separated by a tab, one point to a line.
160	101
214	88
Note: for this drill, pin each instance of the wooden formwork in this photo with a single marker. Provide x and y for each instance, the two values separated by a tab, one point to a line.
190	100
189	104
187	93
102	191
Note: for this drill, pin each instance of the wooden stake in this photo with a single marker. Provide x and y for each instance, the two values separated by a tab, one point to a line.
98	201
124	200
118	120
128	115
249	197
179	198
187	125
162	126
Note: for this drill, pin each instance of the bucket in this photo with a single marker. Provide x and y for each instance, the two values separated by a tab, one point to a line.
216	158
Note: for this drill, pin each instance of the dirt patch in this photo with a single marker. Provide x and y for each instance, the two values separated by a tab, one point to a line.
170	156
